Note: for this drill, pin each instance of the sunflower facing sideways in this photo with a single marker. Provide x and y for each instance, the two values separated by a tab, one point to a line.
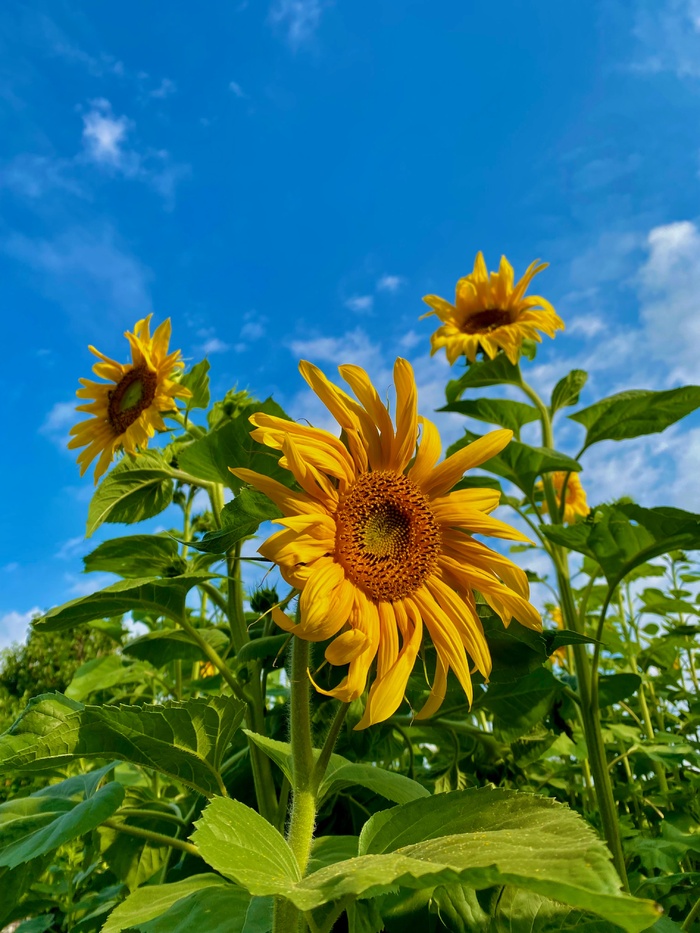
491	312
126	410
575	501
379	547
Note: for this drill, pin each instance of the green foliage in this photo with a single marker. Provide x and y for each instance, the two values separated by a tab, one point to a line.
137	488
239	519
566	392
197	381
506	413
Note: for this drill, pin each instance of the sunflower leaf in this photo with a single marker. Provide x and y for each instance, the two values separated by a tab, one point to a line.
508	414
635	412
568	389
147	903
137	488
622	536
162	595
137	556
197	381
162	647
239	519
184	740
520	463
485	373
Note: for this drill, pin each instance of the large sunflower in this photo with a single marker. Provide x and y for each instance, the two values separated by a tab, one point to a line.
575	501
126	409
379	547
491	312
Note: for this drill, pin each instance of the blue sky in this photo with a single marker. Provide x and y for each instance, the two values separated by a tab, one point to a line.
287	178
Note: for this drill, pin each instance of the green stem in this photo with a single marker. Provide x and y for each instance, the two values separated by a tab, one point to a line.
236	617
213	656
159	839
287	918
329	745
692	916
152	815
590	712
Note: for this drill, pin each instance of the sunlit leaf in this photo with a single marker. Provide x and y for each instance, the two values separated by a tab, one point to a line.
568	389
197	381
137	488
486	373
508	414
239	519
137	556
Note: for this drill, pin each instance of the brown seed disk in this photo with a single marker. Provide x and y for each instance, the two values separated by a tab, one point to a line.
485	321
124	409
387	538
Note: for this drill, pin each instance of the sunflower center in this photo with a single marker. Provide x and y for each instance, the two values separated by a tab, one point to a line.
387	539
133	394
484	321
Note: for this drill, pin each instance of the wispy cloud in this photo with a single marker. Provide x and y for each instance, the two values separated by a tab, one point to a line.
669	37
297	20
35	176
87	270
14	626
360	304
56	424
586	327
390	283
164	89
237	90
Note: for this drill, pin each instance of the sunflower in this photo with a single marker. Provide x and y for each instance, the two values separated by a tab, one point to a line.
490	312
576	502
559	653
379	547
126	410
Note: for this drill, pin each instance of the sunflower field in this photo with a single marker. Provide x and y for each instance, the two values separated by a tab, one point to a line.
361	684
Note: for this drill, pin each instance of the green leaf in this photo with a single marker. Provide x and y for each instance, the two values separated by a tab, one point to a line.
197	381
104	673
508	414
231	445
184	740
137	488
327	850
243	846
487	373
162	647
520	463
568	389
161	595
239	519
36	924
636	412
615	687
259	649
221	909
521	704
342	773
560	637
478	837
137	556
32	826
622	536
150	902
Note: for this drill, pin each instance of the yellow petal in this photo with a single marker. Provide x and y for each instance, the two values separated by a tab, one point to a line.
450	471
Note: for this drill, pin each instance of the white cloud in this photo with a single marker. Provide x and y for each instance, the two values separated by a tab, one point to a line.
72	548
360	304
352	347
56	424
297	19
586	327
669	286
669	35
214	345
410	339
33	176
237	90
164	89
86	270
15	625
104	136
390	283
105	145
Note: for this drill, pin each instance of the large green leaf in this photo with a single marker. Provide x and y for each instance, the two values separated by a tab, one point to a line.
243	846
32	826
222	909
239	519
137	556
487	373
615	687
105	673
231	445
508	414
478	837
148	903
184	740
342	773
197	381
635	412
568	389
520	463
622	536
137	488
162	647
521	704
161	595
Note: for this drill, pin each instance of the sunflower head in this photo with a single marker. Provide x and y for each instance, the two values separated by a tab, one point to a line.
379	547
126	409
492	313
575	496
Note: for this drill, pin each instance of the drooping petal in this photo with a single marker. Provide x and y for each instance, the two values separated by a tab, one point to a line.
450	471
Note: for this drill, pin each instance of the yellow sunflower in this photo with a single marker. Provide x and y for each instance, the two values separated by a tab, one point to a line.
576	502
379	547
491	312
126	410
